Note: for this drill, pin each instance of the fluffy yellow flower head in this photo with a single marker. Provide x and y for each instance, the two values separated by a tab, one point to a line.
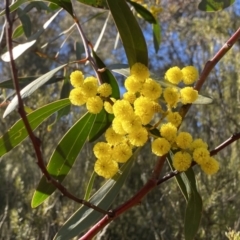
144	108
171	96
169	131
174	75
132	85
89	89
184	140
92	80
210	166
112	137
201	155
198	143
76	78
94	104
122	152
122	109
174	118
105	90
130	97
108	107
117	126
138	138
182	161
188	95
77	97
140	72
106	168
160	146
190	74
102	150
151	89
133	123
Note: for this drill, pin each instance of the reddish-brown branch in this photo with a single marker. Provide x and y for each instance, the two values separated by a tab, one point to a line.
152	182
35	141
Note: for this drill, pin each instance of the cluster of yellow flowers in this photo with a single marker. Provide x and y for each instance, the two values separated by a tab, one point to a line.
135	118
86	91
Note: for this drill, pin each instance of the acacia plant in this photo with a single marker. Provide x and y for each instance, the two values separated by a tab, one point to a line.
149	113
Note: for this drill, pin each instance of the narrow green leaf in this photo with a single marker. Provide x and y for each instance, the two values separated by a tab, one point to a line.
143	12
26	22
30	88
214	5
194	206
64	156
17	133
18	31
102	122
130	32
24	81
95	3
90	186
64	94
84	217
21	48
156	36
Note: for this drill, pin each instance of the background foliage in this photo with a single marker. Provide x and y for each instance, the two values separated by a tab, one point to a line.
188	37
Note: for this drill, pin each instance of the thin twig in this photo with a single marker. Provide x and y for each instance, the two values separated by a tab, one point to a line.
35	141
88	49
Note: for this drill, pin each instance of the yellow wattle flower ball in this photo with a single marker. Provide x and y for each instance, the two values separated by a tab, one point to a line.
102	150
174	75
105	90
188	95
112	137
122	152
210	166
92	80
89	89
151	89
144	108
174	118
201	155
108	107
106	168
76	78
117	126
133	123
169	131
122	109
132	85
160	146
182	161
130	97
77	97
94	104
184	140
190	75
138	138
140	72
171	96
198	143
